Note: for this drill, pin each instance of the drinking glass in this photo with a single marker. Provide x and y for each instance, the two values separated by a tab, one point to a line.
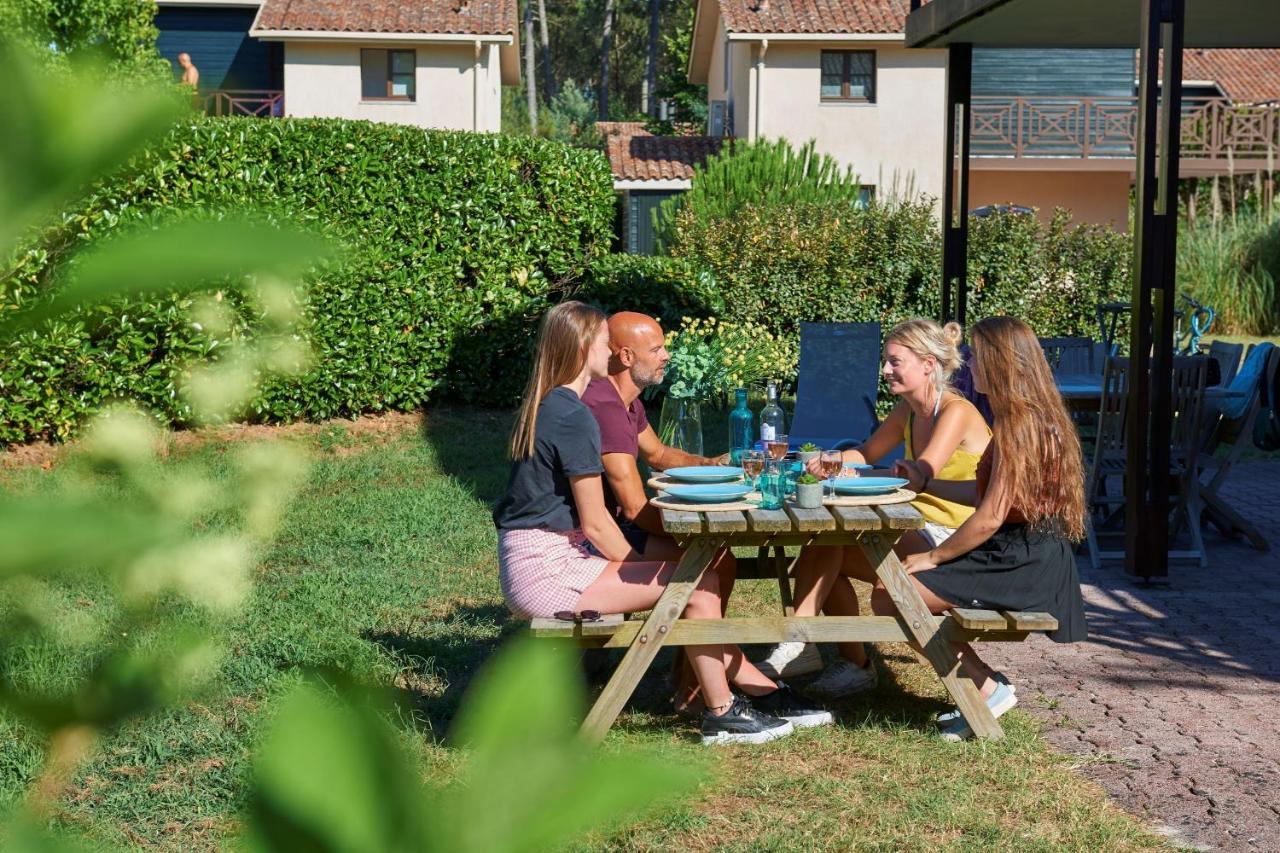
777	446
753	465
831	461
793	468
773	486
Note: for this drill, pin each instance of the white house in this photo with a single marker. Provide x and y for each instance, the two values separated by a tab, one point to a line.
430	63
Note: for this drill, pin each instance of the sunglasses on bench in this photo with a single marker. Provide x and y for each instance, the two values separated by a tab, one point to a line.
578	618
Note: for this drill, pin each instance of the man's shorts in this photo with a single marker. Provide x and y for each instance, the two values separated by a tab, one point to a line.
636	537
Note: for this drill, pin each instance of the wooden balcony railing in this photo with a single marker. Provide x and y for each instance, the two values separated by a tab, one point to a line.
264	103
1213	129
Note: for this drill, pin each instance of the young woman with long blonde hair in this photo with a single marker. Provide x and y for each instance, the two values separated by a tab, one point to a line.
946	436
554	506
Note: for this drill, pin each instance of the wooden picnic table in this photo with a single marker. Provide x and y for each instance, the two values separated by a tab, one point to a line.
873	529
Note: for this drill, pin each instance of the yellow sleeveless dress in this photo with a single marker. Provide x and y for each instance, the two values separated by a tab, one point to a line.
963	465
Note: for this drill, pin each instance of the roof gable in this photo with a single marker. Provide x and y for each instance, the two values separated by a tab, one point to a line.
814	16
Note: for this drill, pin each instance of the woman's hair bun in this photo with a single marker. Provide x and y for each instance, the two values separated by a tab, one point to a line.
953	333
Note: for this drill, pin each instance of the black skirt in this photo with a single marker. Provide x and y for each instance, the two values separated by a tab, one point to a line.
1018	568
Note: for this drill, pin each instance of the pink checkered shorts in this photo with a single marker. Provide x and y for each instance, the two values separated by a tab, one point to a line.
545	571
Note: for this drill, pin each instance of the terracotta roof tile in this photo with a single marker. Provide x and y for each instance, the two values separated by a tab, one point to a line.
643	157
814	16
1245	75
469	17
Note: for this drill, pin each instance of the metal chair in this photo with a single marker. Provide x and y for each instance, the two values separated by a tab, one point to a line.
1069	355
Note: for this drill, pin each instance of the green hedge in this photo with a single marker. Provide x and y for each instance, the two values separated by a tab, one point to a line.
449	235
832	261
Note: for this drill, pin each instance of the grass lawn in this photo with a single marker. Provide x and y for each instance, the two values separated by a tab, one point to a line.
386	568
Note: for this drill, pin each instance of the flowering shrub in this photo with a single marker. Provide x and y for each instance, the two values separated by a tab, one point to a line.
710	358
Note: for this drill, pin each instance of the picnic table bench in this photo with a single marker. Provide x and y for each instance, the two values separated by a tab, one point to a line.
874	529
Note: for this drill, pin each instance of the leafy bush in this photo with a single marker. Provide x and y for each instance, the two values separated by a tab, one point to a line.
1051	275
1233	265
452	237
761	174
710	358
816	261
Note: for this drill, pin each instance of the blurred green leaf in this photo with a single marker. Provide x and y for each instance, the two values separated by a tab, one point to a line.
129	681
331	777
181	257
60	135
534	784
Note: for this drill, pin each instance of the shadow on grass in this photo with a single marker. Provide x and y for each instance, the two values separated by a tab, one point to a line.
470	445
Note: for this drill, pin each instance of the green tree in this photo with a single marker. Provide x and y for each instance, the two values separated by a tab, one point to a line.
119	35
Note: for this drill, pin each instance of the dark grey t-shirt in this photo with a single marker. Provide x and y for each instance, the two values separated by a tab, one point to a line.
567	444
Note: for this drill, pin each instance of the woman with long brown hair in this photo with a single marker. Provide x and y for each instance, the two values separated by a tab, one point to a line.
554	507
1015	551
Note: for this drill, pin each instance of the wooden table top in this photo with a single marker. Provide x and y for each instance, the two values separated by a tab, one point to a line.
792	520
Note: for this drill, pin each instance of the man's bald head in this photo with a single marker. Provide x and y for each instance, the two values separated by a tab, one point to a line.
630	328
638	348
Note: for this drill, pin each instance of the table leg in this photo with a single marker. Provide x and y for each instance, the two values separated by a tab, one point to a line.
783	568
652	634
878	550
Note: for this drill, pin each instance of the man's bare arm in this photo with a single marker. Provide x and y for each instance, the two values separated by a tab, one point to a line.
659	457
628	489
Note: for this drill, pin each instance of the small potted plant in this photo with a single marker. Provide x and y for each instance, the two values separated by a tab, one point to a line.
808	451
808	491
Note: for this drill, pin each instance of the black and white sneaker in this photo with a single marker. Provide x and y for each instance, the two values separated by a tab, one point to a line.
743	724
786	704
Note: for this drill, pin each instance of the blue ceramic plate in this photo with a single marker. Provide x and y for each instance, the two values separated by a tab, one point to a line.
868	485
708	493
705	473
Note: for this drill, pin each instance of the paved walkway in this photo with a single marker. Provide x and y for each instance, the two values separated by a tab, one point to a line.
1175	699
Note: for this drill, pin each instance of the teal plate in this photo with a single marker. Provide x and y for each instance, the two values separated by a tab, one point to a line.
868	485
705	473
708	493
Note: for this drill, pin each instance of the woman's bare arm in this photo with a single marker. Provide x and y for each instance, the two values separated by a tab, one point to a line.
598	525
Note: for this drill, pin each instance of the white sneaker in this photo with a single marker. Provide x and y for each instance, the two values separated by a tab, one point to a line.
844	678
788	660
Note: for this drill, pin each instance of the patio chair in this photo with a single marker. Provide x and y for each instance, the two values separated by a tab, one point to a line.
1069	355
836	391
1111	450
1228	358
1232	434
1109	455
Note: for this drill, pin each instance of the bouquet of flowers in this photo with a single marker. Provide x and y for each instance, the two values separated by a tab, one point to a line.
710	358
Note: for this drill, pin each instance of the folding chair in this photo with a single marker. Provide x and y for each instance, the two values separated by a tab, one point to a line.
1233	433
1109	455
1190	378
1228	358
839	379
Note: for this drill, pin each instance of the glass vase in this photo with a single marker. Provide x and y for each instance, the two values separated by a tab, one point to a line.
680	425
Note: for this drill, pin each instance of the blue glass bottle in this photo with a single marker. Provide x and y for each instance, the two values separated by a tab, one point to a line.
742	427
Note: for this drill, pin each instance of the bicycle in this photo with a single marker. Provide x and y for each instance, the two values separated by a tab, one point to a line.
1200	320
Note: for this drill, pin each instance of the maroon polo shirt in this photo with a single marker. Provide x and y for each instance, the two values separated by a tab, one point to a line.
620	426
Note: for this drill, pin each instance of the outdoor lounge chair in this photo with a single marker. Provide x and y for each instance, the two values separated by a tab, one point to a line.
836	391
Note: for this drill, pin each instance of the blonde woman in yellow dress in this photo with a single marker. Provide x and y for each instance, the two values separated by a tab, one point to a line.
944	436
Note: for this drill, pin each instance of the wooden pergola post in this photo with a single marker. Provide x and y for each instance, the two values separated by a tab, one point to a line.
955	192
1153	290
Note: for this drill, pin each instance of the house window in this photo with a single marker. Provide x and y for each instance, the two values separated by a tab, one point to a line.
849	75
388	75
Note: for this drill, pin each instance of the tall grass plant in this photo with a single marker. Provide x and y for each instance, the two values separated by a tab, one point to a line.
1233	264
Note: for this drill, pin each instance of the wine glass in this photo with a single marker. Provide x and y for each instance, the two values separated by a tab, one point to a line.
752	465
777	446
831	462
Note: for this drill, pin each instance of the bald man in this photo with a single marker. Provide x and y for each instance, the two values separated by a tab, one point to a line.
190	74
639	360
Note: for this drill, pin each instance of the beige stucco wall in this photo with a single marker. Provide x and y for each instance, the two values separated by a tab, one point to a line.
1100	198
322	79
900	134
